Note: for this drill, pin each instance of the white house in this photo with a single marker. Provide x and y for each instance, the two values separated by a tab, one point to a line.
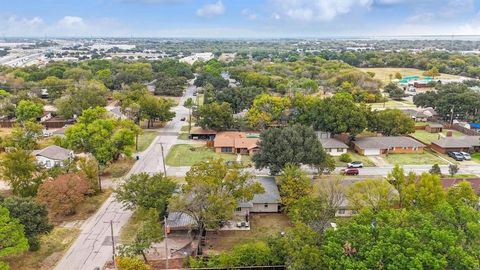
53	156
267	202
333	147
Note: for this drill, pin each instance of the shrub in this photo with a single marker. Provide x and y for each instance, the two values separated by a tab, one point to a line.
131	263
345	158
62	194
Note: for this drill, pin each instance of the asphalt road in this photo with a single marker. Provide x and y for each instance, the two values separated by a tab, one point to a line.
93	246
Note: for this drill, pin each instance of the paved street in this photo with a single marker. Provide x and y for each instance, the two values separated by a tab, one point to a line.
93	246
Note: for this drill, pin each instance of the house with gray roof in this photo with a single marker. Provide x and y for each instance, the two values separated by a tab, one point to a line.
333	146
457	144
53	155
267	202
374	146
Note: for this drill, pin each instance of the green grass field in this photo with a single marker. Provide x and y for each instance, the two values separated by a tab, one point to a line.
427	137
383	73
188	155
425	158
145	139
476	157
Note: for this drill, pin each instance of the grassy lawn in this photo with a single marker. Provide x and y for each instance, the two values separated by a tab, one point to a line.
129	230
145	139
414	159
476	157
392	104
176	100
355	157
119	168
52	248
383	73
188	155
464	176
427	137
261	226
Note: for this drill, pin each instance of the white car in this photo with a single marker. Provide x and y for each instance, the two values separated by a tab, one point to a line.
466	156
355	164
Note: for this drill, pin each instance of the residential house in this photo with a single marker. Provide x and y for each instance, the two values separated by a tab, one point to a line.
267	202
456	144
198	133
179	221
236	142
53	155
417	115
373	146
334	147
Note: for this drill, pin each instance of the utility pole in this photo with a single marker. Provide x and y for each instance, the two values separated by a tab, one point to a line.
165	239
99	180
113	245
451	115
163	159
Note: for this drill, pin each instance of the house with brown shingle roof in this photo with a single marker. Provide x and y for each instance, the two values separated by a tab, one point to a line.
374	146
236	142
457	144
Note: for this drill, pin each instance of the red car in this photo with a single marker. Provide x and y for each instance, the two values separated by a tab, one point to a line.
351	171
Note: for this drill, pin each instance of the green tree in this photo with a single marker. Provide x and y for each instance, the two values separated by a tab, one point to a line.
32	215
373	194
212	193
146	191
12	237
391	122
87	94
435	170
55	87
267	110
340	114
89	167
155	109
398	76
20	170
28	111
433	72
25	136
239	98
294	184
295	144
453	169
189	105
216	116
425	193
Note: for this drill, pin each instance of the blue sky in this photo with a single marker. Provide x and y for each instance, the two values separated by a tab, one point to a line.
239	18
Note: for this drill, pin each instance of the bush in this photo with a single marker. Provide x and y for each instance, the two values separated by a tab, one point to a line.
131	263
62	194
345	158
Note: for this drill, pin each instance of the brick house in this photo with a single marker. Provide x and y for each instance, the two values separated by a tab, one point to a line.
457	144
374	146
236	142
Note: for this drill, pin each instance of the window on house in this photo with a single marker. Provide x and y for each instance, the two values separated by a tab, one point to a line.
341	211
238	209
226	149
48	163
339	150
266	205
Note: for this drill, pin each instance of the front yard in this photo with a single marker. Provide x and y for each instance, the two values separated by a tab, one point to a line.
188	155
476	157
425	158
355	157
261	226
427	137
145	139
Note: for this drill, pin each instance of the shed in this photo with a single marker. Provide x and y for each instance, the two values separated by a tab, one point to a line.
434	128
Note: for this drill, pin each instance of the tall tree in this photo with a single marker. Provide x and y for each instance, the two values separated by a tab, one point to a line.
12	237
20	170
146	191
28	111
391	122
294	184
294	144
32	215
88	94
189	105
25	136
216	116
212	192
155	109
373	194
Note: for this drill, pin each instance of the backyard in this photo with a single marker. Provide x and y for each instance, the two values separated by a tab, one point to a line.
261	226
188	155
427	137
383	73
425	158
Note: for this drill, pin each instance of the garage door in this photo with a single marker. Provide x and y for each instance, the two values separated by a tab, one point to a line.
372	152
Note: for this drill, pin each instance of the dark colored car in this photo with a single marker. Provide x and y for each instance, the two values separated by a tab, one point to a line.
182	119
456	155
351	171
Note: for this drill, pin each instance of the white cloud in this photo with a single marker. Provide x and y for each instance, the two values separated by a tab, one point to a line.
249	14
211	10
318	10
71	22
11	24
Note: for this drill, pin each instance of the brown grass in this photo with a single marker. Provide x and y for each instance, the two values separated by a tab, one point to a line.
119	168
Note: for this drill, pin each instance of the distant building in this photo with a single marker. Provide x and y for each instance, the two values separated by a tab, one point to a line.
334	147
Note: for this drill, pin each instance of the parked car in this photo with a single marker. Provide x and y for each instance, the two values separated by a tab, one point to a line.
456	155
182	119
350	171
466	156
355	164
